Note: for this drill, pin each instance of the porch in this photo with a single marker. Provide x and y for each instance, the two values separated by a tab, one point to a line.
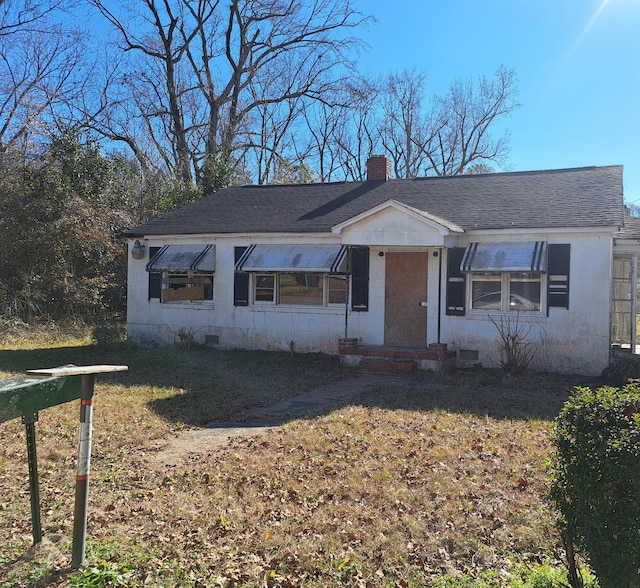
395	360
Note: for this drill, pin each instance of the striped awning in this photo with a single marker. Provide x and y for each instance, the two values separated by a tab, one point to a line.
294	258
184	258
529	256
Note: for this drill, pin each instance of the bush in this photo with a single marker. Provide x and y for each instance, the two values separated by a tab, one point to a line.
110	336
596	481
514	343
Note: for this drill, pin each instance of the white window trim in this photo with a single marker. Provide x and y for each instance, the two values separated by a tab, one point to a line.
276	292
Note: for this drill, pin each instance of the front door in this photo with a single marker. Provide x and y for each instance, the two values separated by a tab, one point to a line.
405	318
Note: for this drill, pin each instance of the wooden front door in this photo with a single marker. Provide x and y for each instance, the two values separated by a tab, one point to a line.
405	320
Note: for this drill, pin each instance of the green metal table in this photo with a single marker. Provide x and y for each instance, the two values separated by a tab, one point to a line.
23	397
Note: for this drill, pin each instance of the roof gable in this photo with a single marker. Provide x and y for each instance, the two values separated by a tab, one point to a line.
394	223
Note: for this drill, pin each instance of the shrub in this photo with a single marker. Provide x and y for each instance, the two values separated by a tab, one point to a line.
514	343
109	336
596	481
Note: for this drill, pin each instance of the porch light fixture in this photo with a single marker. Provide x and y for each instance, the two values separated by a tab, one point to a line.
137	251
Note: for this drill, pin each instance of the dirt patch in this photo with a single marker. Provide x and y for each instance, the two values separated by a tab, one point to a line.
194	444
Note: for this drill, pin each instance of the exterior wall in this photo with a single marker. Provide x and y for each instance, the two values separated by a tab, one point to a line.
220	323
393	228
573	340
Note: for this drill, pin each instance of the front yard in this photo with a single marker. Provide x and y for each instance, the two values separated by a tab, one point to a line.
432	480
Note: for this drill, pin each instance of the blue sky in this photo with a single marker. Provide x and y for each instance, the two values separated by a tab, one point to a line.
577	62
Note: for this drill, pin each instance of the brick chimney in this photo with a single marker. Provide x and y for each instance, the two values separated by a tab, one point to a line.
378	168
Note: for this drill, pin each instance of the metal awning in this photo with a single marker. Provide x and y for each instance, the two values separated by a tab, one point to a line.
184	258
530	256
294	258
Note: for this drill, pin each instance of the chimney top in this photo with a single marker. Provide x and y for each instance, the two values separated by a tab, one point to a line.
378	168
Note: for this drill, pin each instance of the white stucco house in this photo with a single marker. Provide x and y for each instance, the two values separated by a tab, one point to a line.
414	271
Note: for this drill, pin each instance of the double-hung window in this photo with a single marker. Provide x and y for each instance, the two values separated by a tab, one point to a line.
505	277
506	292
296	275
264	289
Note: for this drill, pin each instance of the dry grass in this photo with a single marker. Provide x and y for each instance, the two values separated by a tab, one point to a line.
437	478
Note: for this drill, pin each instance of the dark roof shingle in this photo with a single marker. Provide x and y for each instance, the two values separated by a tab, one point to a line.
565	198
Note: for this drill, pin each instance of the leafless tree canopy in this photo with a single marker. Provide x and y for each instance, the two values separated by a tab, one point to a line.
41	65
209	92
115	111
204	79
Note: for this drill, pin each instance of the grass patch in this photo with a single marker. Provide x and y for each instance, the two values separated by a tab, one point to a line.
436	479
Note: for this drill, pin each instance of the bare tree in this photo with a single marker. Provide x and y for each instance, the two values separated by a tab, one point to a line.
404	130
41	71
22	15
450	134
466	115
357	137
206	71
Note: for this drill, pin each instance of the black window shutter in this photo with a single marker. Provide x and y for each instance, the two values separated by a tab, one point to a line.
455	282
240	281
155	278
558	275
359	279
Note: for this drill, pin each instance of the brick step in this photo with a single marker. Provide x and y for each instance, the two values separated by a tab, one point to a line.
387	366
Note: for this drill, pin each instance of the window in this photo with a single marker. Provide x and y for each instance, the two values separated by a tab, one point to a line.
265	288
337	290
180	287
506	292
301	274
486	292
299	289
508	276
179	273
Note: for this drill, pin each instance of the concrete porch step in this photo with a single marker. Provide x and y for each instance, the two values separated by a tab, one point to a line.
387	366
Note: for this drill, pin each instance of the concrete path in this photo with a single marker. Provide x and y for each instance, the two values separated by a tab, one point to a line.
190	445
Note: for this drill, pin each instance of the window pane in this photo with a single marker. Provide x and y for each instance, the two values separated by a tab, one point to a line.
300	288
265	288
524	295
337	289
486	295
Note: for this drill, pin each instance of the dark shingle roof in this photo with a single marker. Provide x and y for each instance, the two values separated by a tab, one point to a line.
565	198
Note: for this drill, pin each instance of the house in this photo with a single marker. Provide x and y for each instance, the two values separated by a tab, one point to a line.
424	271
